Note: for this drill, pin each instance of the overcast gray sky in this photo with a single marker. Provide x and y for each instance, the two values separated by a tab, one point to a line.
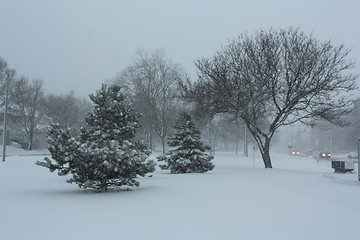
79	44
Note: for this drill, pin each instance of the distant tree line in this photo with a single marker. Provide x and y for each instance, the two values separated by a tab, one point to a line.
31	110
255	84
152	85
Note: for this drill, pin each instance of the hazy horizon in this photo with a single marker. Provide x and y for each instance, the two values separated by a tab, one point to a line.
78	45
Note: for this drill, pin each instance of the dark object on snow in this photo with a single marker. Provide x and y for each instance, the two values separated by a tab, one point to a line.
353	155
342	166
295	153
324	154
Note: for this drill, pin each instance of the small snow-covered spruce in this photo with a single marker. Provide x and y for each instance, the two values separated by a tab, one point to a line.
104	153
189	153
63	149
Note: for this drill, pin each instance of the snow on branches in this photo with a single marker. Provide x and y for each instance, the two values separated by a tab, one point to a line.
104	153
189	155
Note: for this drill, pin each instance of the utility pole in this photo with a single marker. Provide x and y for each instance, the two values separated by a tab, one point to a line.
9	75
246	152
358	158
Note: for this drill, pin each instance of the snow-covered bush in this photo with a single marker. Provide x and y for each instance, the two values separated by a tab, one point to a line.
104	153
189	153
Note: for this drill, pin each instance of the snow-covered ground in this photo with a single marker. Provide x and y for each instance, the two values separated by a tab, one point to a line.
300	198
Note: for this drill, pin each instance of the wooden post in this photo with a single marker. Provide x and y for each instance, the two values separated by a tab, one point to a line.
5	118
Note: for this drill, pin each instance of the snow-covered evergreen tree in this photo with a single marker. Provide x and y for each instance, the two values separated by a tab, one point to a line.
104	154
189	153
63	148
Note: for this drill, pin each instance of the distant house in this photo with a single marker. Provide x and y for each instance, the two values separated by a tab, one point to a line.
15	132
2	136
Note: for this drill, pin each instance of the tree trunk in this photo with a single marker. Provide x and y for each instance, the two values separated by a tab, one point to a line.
31	140
150	140
266	154
263	143
103	186
246	152
30	145
163	143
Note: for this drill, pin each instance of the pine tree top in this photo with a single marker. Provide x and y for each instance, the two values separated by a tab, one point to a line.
113	117
186	136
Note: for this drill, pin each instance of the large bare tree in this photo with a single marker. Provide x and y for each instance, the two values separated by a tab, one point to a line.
3	69
152	83
275	78
6	76
27	98
66	110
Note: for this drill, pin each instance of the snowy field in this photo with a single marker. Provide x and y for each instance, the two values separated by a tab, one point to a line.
300	198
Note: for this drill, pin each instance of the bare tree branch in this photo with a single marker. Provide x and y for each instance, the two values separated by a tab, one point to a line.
275	78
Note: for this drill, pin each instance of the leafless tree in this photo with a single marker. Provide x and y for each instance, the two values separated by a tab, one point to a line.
3	68
275	78
27	97
66	110
6	74
152	84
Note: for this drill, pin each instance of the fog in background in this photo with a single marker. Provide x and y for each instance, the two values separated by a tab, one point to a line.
79	44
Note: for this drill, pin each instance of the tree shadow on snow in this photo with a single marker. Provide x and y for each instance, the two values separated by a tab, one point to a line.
86	192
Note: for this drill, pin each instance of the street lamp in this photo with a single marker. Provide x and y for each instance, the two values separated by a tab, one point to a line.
358	159
10	74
